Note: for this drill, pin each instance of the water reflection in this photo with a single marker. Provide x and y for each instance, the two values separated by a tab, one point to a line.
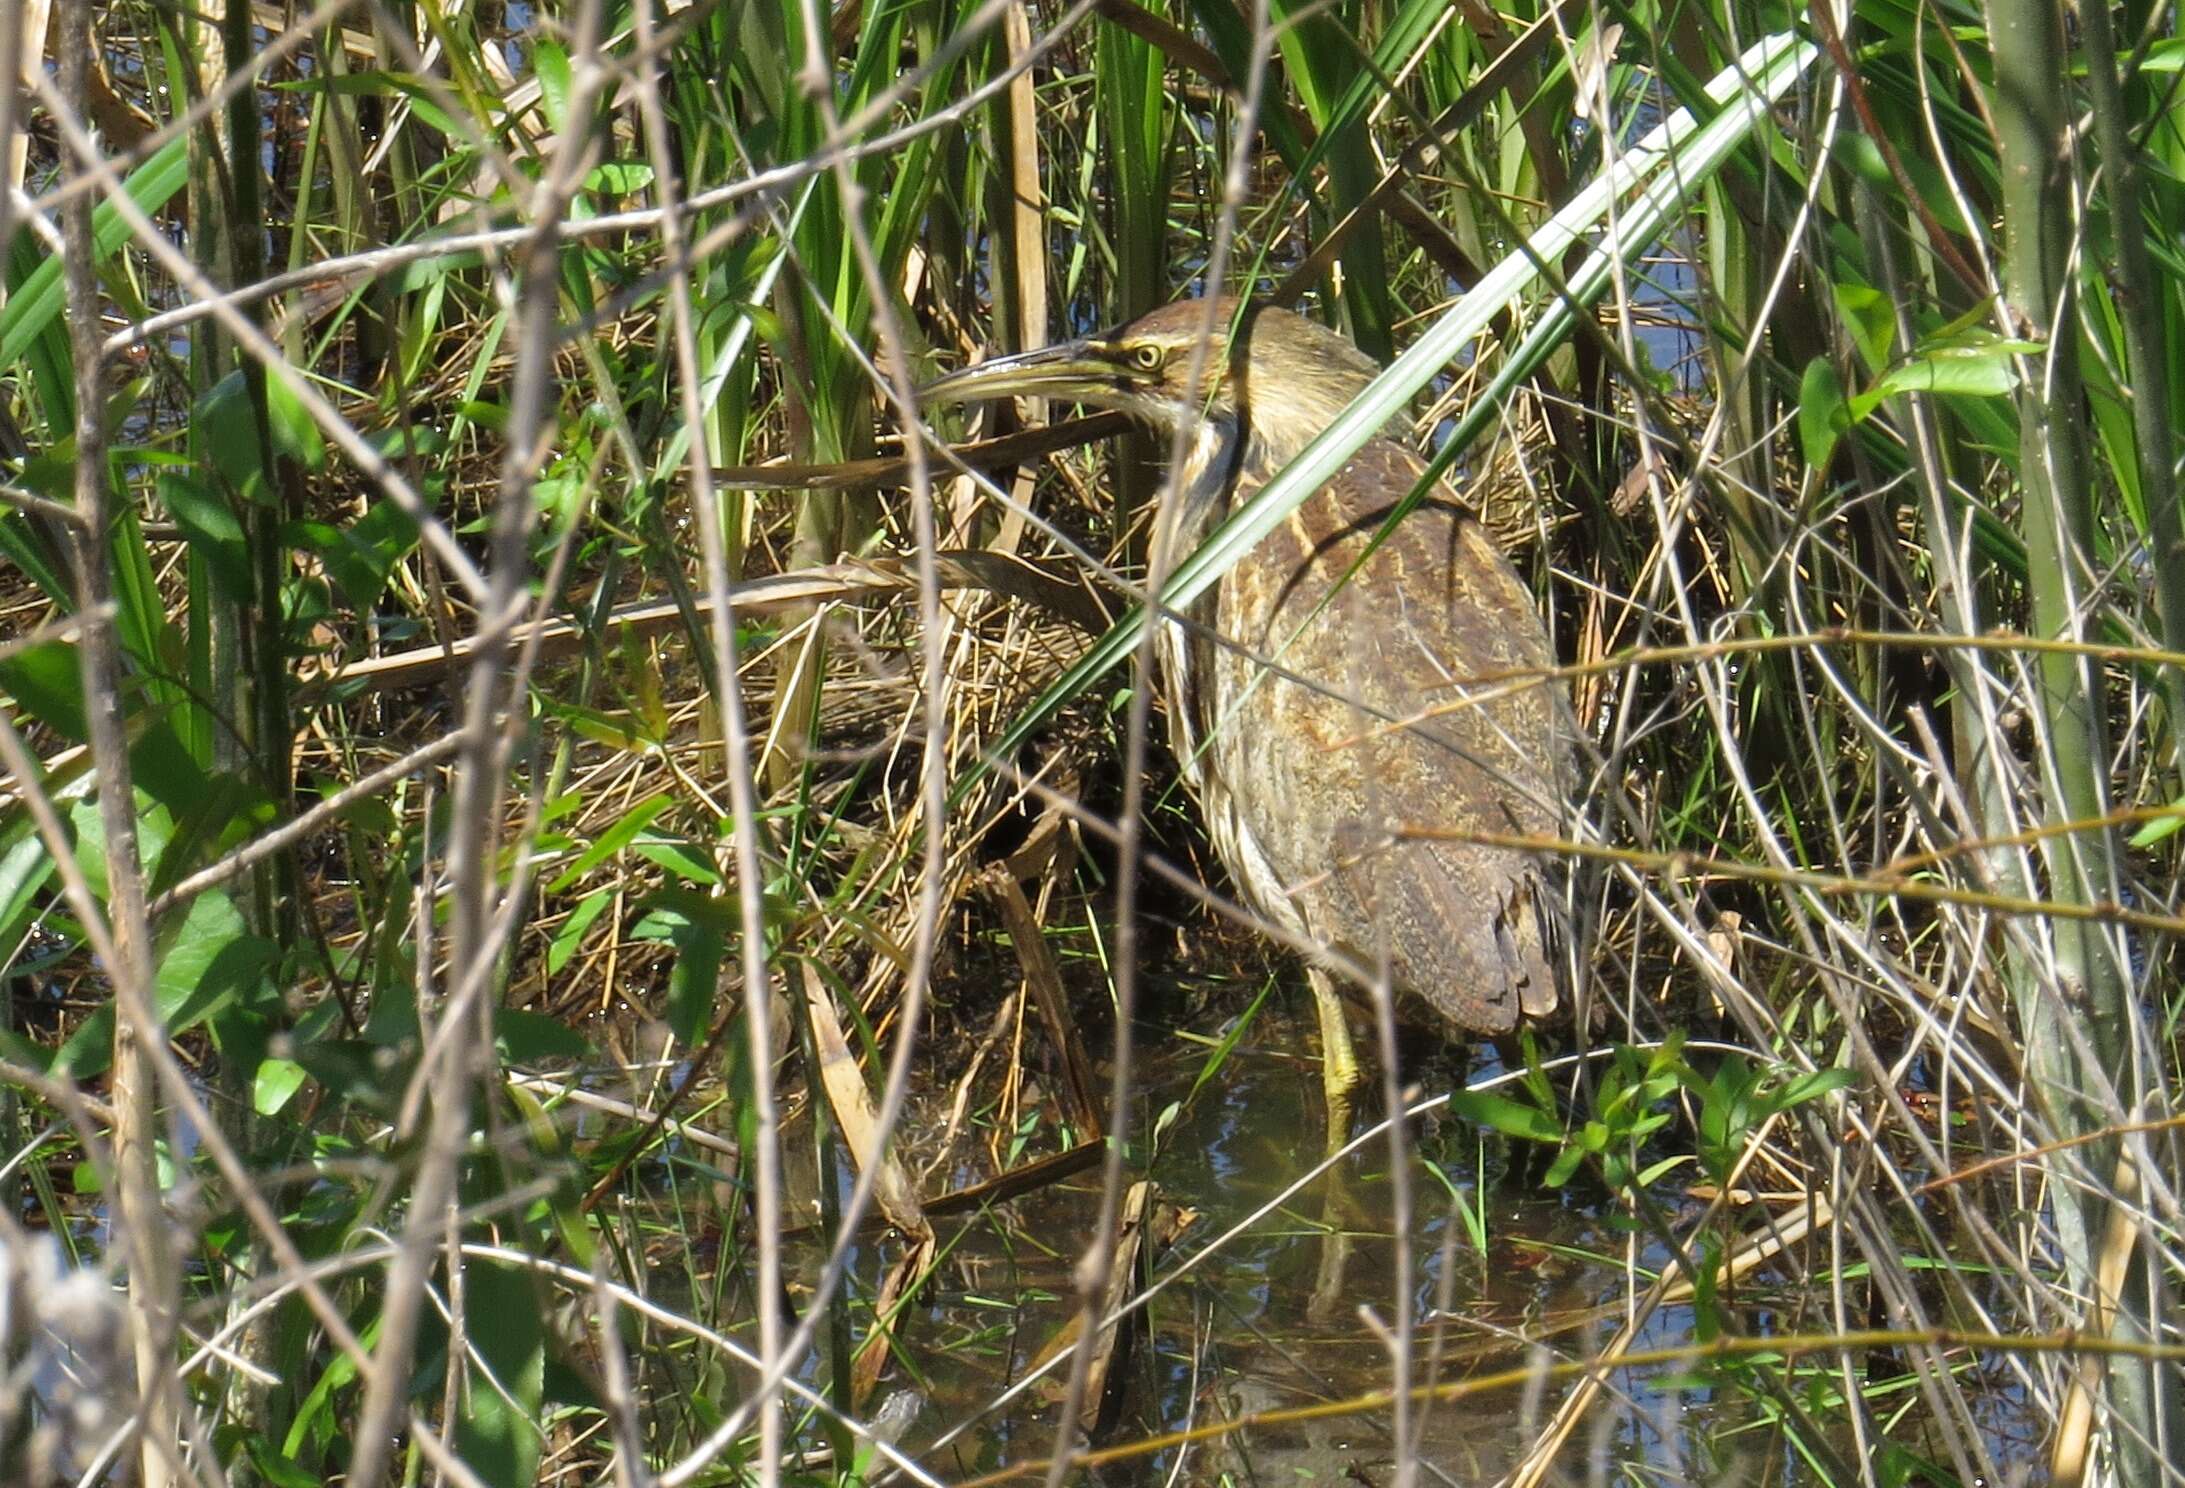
1283	1316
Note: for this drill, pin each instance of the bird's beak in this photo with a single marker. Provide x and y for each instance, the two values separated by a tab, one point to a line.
1084	370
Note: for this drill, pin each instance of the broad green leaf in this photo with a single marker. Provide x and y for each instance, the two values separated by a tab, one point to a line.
24	868
497	1433
570	1220
277	1470
230	425
527	1038
1822	415
295	433
317	1413
203	962
229	428
1857	150
275	1084
620	178
208	959
21	545
681	857
1983	371
698	926
552	66
1500	1113
695	981
2161	827
46	682
360	557
1812	1086
211	529
1871	318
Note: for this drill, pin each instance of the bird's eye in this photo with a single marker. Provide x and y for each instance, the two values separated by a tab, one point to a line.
1146	358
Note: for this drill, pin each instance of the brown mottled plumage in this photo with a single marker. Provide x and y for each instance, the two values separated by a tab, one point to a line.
1284	722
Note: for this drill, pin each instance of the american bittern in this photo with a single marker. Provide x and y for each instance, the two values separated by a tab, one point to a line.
1293	699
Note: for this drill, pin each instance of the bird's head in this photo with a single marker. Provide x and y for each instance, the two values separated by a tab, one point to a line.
1276	375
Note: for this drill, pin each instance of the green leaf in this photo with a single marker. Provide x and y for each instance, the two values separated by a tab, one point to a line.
1500	1113
552	66
277	1470
613	840
21	545
1813	1086
1871	318
39	299
1238	1027
1898	1465
229	427
570	936
1823	417
317	1409
623	731
1856	150
2162	826
360	557
294	432
681	857
210	959
354	1070
1983	370
528	1038
619	178
211	528
496	1432
570	1219
24	868
276	1083
47	683
698	926
693	983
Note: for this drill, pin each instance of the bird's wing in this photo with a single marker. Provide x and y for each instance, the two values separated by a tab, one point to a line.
1403	709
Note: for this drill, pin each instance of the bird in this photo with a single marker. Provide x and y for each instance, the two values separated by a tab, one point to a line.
1325	699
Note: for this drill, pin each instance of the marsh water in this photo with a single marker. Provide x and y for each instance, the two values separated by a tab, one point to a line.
1266	1309
1275	1299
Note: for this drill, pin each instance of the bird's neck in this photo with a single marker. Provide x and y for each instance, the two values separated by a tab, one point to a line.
1270	449
1216	469
1203	479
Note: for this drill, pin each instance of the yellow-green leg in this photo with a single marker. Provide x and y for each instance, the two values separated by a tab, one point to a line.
1338	1077
1338	1060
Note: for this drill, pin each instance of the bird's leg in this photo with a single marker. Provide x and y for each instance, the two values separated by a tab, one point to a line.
1335	1246
1338	1060
1338	1077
